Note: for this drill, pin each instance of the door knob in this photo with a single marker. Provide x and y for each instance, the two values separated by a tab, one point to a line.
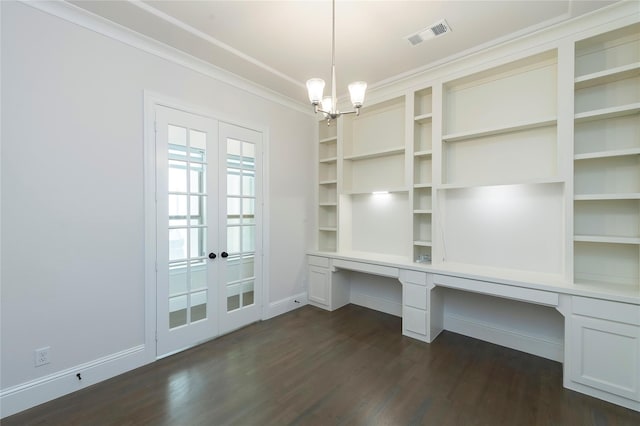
224	254
212	256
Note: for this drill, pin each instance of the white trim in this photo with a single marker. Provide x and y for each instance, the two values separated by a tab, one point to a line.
376	303
205	111
151	99
214	41
34	392
149	183
102	26
606	396
285	305
266	225
476	50
600	21
545	348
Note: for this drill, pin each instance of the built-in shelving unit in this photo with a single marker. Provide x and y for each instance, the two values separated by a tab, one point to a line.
328	187
514	175
501	182
374	189
422	175
374	149
462	171
607	159
490	135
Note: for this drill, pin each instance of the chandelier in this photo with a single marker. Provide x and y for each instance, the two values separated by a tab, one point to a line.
315	86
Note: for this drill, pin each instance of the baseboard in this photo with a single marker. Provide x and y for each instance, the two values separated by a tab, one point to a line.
35	392
606	396
285	305
376	303
553	350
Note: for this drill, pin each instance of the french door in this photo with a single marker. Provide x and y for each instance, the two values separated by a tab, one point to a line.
208	228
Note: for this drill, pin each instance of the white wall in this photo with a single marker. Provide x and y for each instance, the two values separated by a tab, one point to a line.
383	294
72	188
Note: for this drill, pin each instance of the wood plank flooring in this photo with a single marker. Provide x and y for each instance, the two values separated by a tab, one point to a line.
348	367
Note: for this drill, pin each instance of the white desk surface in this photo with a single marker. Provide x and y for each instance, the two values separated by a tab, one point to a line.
533	280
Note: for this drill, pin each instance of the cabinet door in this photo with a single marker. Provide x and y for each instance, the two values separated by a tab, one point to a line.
606	356
319	285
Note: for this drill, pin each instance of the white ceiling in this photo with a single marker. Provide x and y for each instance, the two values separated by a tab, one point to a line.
281	44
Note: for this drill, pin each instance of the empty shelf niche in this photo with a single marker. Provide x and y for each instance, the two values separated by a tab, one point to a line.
491	135
374	149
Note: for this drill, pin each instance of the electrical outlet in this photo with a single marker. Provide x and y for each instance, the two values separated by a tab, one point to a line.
42	356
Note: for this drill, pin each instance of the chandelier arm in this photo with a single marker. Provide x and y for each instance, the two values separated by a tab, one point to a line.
337	114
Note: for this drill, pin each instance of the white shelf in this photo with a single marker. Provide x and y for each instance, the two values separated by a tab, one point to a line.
422	243
328	182
423	185
327	229
482	185
604	113
328	204
328	160
375	154
329	140
371	191
608	76
516	127
595	197
423	118
424	153
605	239
605	154
425	211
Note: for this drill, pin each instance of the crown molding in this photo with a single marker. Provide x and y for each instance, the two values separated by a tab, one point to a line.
214	41
83	18
508	49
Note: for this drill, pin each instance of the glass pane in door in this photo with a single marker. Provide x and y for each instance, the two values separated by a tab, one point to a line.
241	191
187	226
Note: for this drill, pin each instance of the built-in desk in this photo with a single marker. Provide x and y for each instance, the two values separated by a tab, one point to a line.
601	348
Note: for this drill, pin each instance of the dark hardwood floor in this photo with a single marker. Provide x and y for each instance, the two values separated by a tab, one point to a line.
348	367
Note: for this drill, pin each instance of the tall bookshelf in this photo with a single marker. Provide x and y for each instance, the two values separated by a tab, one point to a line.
502	196
328	187
607	159
374	188
422	175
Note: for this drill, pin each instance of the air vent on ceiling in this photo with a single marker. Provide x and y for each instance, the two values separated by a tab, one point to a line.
436	30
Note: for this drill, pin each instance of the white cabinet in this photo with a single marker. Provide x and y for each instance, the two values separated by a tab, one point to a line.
319	282
421	306
327	290
603	357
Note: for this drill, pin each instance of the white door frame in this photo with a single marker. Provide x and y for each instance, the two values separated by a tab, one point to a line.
151	99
